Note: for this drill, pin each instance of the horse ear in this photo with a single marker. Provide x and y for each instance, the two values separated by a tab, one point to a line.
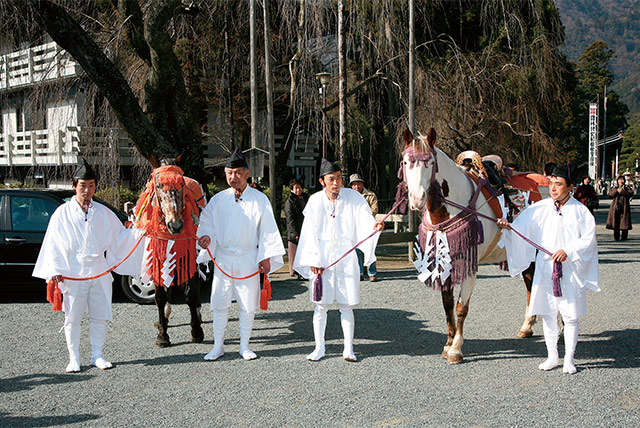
179	158
154	161
431	137
407	137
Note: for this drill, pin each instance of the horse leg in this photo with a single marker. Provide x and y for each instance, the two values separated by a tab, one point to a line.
162	298
462	309
529	321
447	303
192	294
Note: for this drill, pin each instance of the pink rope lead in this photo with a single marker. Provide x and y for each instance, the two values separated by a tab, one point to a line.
317	282
557	266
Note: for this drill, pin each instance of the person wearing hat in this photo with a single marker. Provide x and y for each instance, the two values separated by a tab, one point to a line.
78	235
566	228
239	228
357	183
335	220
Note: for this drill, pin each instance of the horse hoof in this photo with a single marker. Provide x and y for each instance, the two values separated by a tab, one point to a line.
198	337
162	342
454	359
523	334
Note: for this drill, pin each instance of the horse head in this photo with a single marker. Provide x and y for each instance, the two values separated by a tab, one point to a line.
419	165
169	189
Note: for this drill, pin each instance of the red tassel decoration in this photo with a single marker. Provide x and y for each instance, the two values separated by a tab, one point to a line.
265	294
54	295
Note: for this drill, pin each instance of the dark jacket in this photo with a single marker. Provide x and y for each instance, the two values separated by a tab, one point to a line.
585	193
620	217
293	208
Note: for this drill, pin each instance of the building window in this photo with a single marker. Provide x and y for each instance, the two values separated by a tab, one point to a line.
19	119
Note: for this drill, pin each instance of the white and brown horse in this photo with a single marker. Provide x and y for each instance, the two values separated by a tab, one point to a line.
453	239
168	213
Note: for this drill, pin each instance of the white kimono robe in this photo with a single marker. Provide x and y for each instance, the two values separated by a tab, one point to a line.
328	231
75	244
574	232
243	233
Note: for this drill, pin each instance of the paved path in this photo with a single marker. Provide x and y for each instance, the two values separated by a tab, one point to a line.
399	380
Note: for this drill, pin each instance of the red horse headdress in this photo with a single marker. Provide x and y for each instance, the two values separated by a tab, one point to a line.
169	254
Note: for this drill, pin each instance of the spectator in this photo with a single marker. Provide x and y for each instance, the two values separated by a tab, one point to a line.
293	208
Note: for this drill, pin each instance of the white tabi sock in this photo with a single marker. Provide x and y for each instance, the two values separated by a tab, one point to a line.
348	326
319	327
220	318
570	342
72	334
550	328
98	337
246	325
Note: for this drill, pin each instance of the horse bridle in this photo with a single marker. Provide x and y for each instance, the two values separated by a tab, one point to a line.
155	192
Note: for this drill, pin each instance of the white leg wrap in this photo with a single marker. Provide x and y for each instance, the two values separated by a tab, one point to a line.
570	342
319	327
550	328
72	334
220	318
348	327
98	337
246	325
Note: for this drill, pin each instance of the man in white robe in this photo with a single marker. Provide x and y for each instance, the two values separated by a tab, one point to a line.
335	219
78	234
239	229
565	227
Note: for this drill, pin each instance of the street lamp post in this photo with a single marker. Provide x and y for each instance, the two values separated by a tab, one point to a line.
324	78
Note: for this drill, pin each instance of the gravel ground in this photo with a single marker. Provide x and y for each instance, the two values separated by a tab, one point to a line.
399	380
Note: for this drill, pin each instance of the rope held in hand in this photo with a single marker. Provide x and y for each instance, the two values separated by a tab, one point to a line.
557	266
317	282
54	295
265	294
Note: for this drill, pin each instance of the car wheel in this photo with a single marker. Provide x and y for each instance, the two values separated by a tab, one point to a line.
138	291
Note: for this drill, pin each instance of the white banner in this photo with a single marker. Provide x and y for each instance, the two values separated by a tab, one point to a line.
593	140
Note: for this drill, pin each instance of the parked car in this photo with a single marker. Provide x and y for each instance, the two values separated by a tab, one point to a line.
24	216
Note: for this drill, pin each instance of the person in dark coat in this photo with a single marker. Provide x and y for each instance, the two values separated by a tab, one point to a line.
293	208
619	218
586	194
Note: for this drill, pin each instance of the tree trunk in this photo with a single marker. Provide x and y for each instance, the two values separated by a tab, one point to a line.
342	88
65	31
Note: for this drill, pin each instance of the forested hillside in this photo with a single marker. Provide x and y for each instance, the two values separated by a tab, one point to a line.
617	23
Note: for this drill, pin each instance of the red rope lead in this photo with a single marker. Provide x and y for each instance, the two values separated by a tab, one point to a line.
109	270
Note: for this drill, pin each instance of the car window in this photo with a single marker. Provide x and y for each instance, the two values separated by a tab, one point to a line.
31	214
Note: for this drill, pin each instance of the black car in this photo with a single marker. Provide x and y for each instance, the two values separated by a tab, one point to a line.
24	216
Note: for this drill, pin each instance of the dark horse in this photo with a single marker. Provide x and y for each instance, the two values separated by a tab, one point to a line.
168	212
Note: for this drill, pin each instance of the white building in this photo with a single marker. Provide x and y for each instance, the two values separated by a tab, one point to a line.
40	133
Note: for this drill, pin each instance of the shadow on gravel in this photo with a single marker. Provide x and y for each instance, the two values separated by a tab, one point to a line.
27	382
611	349
44	421
378	332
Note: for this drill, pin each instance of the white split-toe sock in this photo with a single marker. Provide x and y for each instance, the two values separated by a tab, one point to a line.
98	337
245	319
316	355
101	363
550	328
570	342
73	366
549	364
319	327
72	335
214	354
220	318
348	325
